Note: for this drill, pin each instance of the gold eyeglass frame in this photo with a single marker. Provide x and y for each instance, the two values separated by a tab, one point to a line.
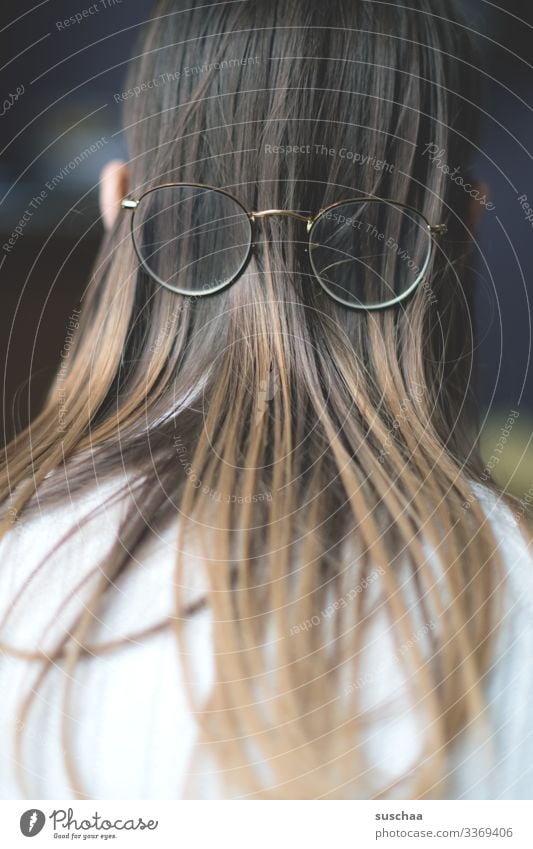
131	204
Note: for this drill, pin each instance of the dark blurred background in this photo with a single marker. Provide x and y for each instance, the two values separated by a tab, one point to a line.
59	120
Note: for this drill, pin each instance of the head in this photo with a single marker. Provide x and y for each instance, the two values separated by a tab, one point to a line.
301	445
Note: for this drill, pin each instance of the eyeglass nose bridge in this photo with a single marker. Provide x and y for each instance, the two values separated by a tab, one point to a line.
288	212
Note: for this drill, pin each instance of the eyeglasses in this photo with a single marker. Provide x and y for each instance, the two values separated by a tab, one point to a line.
366	253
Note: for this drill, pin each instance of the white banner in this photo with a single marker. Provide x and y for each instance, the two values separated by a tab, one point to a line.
268	825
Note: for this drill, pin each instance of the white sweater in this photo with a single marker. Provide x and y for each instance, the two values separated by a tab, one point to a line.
132	730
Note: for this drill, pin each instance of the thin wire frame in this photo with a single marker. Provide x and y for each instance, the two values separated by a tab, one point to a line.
132	204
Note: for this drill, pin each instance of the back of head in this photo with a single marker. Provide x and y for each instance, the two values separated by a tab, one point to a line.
296	106
306	446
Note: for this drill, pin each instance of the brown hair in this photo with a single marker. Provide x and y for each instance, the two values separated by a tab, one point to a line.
321	458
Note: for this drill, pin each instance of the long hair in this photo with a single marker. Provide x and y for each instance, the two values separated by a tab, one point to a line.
321	459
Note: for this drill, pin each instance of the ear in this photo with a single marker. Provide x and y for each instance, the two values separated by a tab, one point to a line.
113	187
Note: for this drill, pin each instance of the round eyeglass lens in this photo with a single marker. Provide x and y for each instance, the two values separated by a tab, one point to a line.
370	254
191	239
